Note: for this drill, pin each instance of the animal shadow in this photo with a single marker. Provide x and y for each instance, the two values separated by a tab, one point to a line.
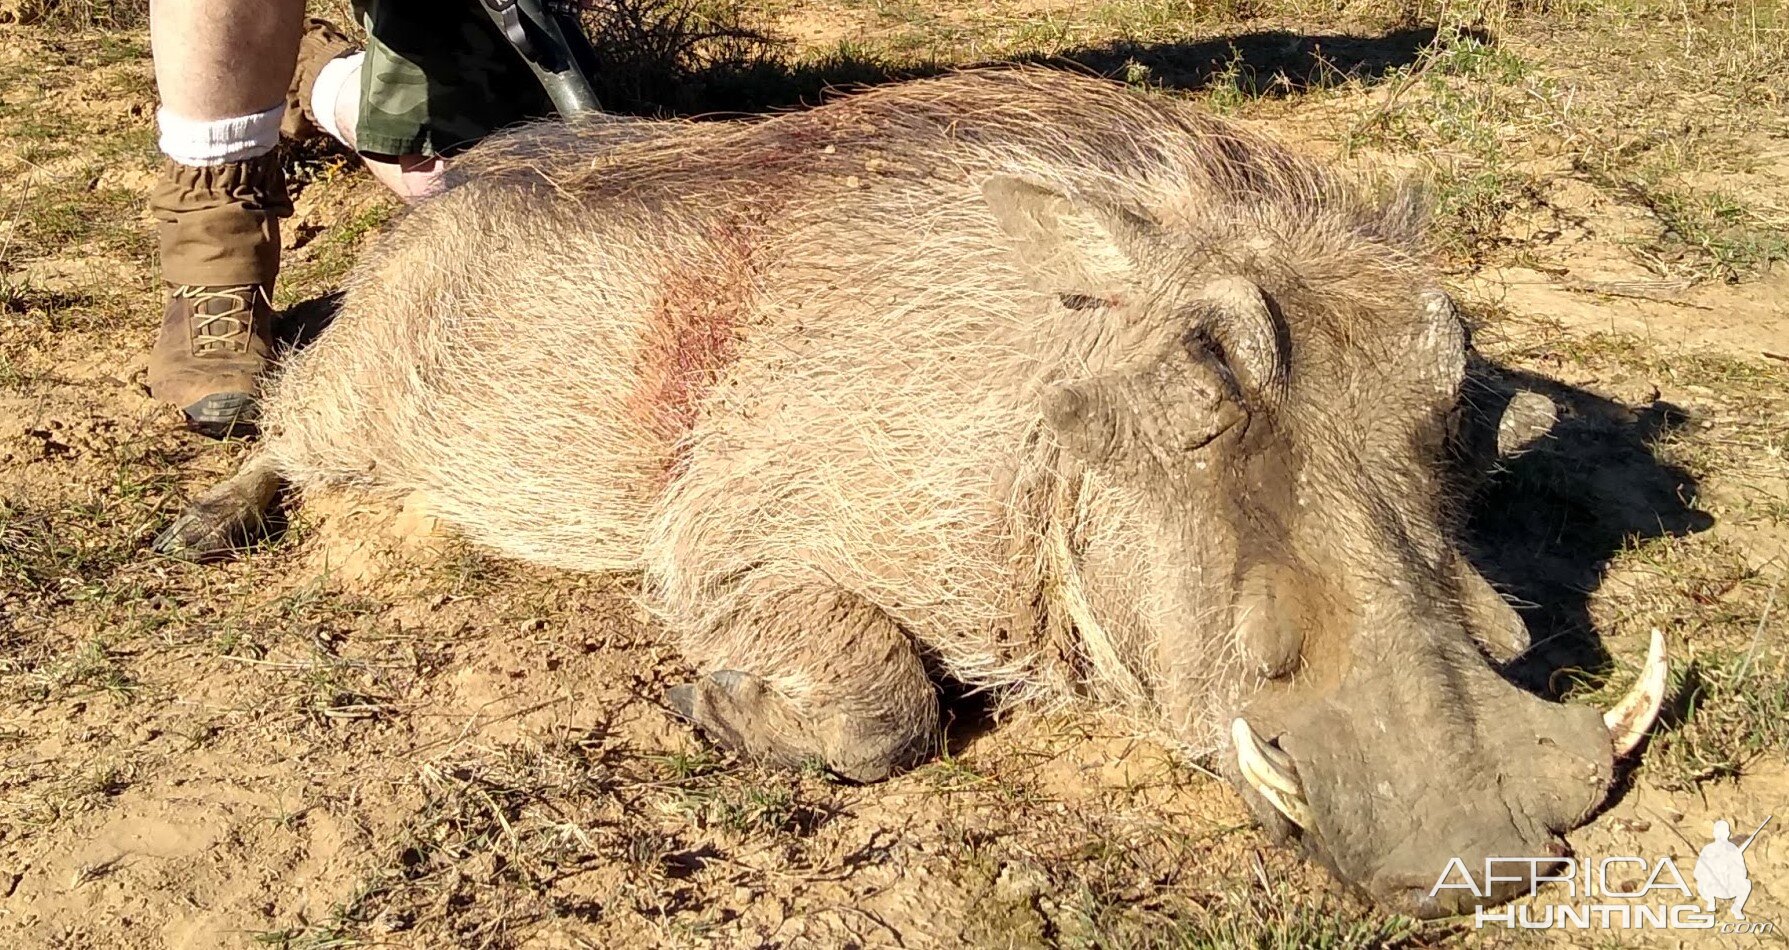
1545	527
1263	63
667	58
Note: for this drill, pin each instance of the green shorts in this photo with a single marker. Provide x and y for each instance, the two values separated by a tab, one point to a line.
438	78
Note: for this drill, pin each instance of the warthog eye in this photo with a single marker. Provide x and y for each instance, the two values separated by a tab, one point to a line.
1204	347
1083	301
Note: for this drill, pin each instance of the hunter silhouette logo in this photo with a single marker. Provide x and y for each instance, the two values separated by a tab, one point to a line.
1618	891
1721	869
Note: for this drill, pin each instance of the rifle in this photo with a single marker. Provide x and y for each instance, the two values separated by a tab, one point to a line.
1755	832
550	37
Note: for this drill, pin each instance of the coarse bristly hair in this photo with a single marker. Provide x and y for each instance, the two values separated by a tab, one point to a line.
747	357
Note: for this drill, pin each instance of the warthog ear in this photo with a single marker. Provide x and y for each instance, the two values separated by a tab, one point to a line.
1069	246
1497	420
1527	418
1444	338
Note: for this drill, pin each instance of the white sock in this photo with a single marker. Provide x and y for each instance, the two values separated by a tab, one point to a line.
338	76
205	142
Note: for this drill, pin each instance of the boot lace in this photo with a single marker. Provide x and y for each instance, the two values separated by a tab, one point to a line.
226	327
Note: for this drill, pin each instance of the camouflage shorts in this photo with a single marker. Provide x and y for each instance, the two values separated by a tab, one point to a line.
438	78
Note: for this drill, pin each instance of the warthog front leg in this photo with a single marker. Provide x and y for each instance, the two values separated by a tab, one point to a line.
816	674
226	516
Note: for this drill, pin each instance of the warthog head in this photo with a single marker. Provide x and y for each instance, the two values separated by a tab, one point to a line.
1273	421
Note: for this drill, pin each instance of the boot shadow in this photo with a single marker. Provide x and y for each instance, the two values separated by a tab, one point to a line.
301	323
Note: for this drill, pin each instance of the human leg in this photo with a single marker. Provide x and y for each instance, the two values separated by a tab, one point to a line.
331	92
222	69
217	59
429	82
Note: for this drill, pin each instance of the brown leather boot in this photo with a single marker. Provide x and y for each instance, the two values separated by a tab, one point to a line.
214	344
219	233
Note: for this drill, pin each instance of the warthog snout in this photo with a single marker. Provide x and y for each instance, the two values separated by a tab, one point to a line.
1397	801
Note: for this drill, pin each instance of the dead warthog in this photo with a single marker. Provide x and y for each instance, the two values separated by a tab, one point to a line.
1013	377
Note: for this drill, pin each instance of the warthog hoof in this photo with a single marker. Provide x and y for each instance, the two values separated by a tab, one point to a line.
745	714
224	518
719	704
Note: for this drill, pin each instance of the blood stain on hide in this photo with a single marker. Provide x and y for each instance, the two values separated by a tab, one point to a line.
691	337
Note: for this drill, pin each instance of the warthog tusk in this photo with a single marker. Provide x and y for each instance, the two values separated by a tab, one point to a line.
1639	709
1269	772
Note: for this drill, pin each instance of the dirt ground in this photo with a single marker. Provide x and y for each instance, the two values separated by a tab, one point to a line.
366	733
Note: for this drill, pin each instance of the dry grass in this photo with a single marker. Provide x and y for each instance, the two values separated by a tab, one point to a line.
77	14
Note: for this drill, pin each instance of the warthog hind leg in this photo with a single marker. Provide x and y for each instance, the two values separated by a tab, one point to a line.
817	674
224	518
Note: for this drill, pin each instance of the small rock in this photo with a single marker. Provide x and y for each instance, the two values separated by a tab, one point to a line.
1672	815
1018	883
